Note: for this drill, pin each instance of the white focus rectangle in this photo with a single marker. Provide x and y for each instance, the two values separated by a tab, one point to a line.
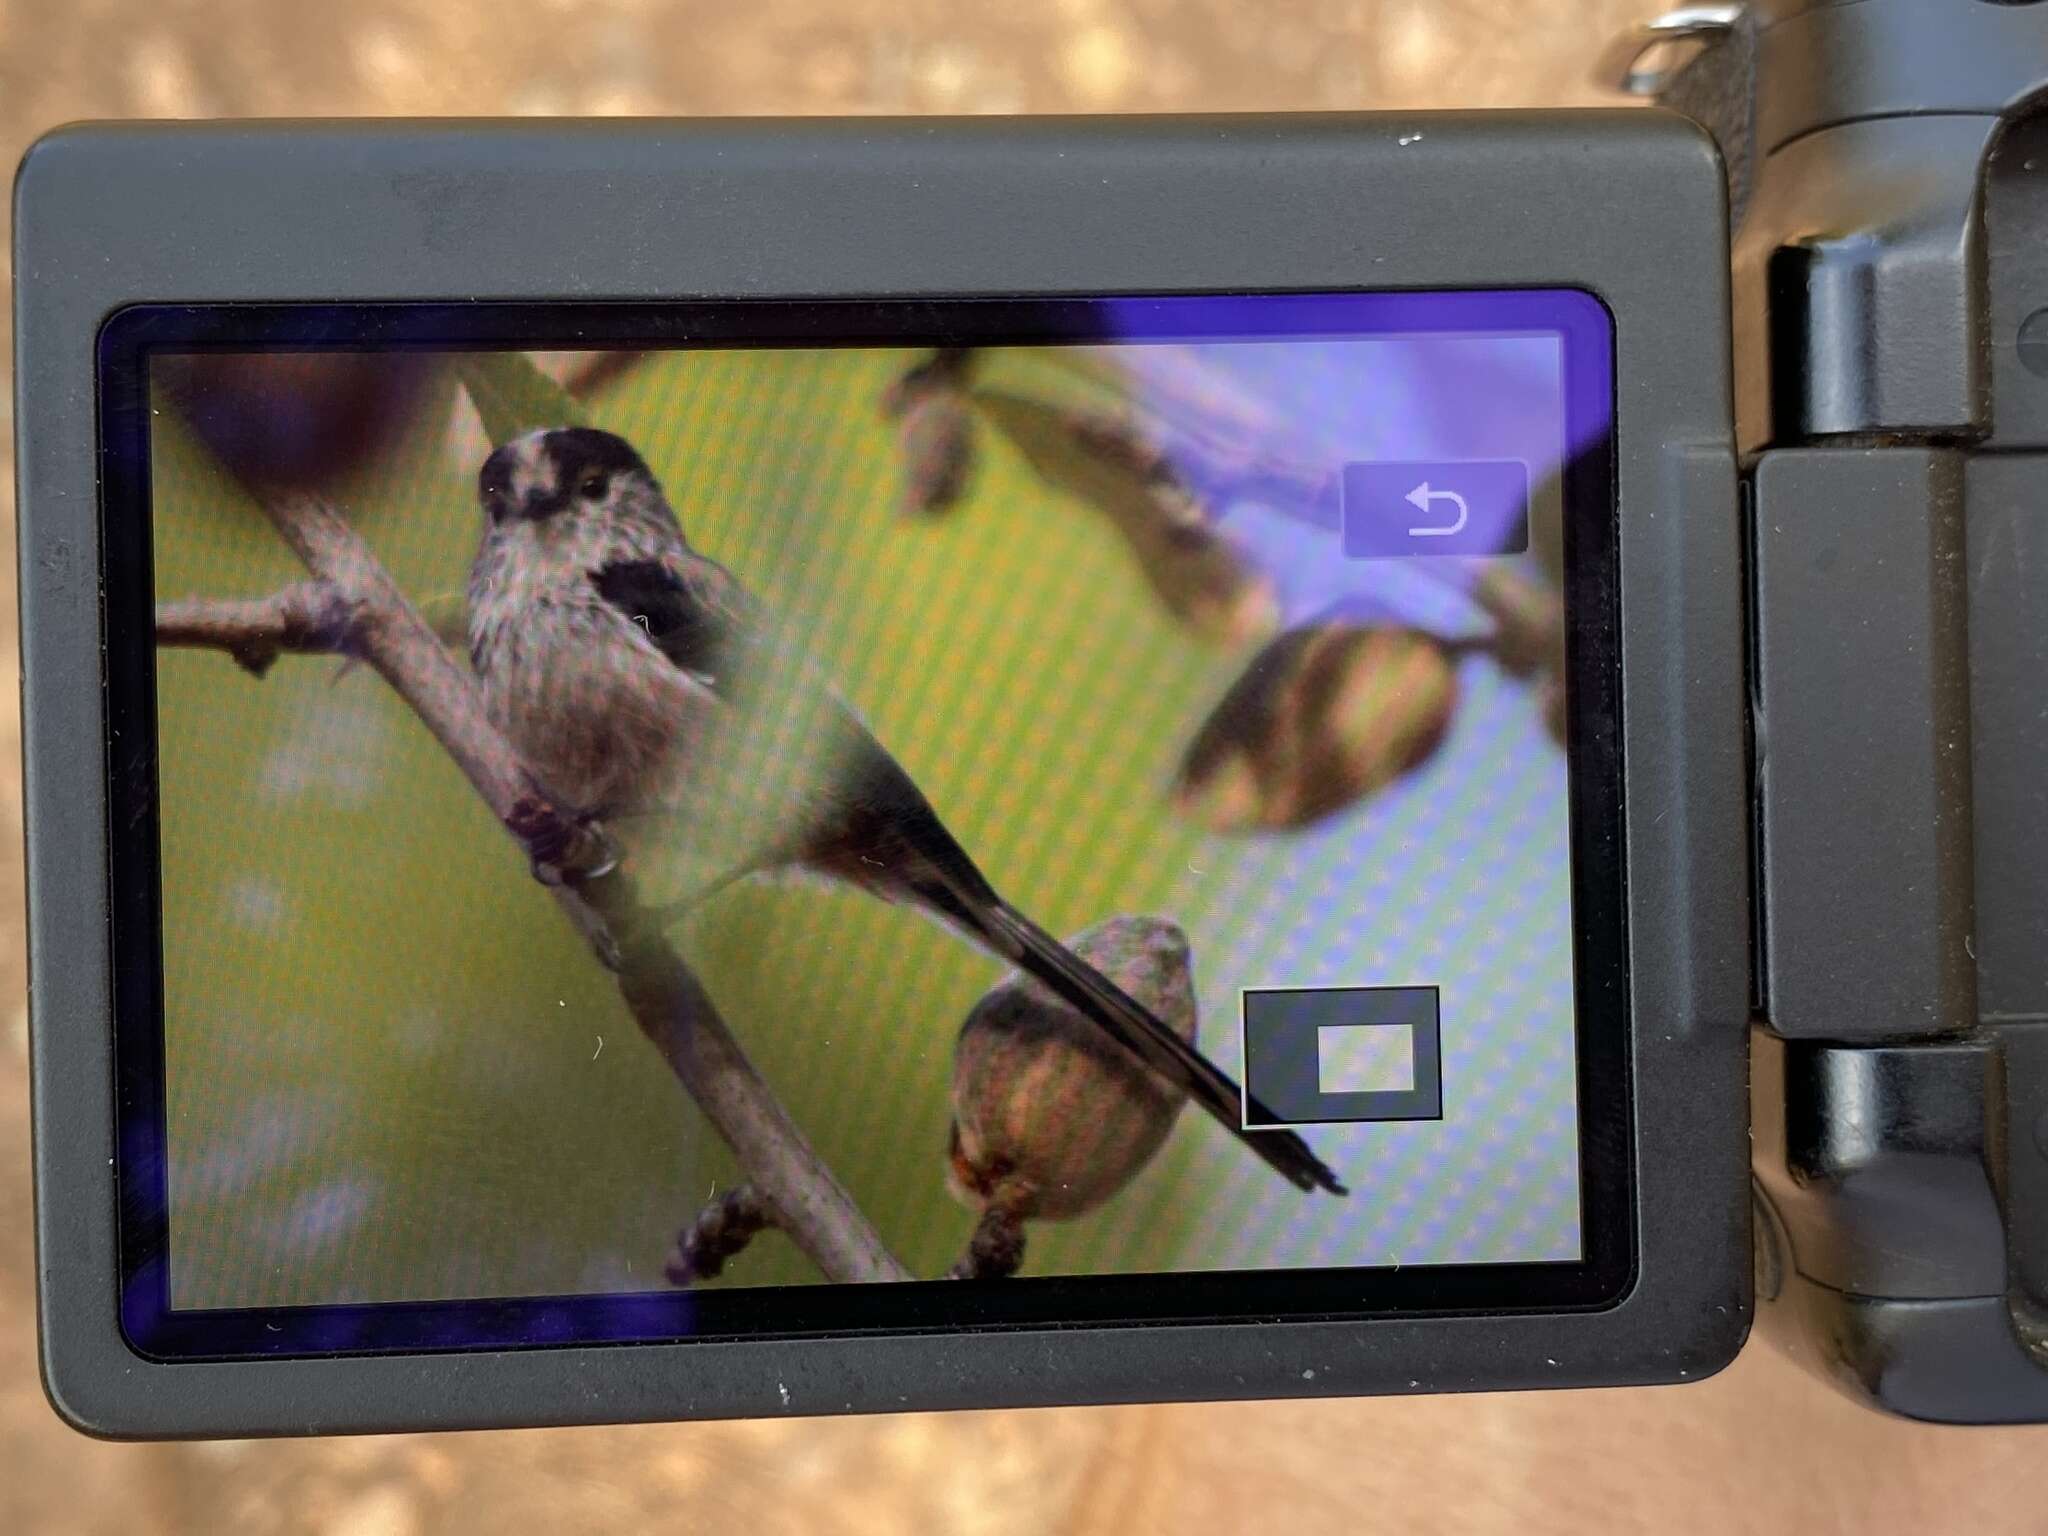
1365	1058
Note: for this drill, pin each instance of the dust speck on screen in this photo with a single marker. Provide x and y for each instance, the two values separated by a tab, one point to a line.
1105	767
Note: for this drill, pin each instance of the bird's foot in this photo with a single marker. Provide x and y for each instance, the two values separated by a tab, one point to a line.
589	853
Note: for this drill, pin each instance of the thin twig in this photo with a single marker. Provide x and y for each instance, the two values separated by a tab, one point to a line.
309	618
718	1235
365	615
996	1250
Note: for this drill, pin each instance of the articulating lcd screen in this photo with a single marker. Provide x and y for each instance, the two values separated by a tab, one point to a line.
1110	784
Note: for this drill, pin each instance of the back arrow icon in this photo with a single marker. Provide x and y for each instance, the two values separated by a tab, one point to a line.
1421	497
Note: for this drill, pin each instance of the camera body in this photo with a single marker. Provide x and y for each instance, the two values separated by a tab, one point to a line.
1883	161
493	227
1773	598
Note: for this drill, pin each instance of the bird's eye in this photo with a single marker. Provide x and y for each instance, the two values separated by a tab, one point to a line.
592	486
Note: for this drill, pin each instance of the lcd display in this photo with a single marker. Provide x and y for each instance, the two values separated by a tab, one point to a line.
1135	777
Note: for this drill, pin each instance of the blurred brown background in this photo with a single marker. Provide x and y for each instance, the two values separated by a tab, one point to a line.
1759	1448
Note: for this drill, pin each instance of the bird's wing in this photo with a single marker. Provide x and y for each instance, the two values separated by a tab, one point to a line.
699	615
753	785
703	620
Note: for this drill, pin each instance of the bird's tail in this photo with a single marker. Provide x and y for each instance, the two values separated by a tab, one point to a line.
1146	1036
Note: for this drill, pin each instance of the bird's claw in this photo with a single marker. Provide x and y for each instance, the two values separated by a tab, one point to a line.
591	855
605	851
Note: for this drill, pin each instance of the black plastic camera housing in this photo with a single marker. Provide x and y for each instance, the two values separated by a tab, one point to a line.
1628	207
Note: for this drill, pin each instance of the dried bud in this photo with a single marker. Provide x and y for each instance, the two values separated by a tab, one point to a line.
296	419
1050	1116
1528	620
934	429
1324	716
945	370
935	436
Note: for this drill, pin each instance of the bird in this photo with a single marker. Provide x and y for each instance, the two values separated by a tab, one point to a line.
646	686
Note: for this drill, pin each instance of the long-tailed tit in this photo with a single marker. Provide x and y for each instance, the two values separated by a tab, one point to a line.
642	681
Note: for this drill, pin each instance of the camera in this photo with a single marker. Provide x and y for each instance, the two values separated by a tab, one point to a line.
690	769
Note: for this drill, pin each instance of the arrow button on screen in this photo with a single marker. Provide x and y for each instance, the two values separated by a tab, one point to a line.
1423	499
1473	507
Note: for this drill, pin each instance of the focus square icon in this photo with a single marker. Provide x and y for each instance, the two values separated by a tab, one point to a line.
1317	1055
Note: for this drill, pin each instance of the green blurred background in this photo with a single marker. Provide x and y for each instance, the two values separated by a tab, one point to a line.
393	1070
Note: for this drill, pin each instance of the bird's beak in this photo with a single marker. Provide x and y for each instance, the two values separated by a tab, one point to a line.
538	505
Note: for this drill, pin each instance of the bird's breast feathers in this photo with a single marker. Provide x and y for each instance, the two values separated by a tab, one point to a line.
652	685
580	687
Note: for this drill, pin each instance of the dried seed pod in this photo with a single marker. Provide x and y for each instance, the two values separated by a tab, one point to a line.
1324	716
1528	620
1051	1117
1201	576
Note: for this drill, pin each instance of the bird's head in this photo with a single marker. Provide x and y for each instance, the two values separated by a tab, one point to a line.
562	476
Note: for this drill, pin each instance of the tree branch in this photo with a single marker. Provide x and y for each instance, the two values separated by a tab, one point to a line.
310	618
354	608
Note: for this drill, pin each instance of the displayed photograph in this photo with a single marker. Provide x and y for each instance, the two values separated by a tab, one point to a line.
682	817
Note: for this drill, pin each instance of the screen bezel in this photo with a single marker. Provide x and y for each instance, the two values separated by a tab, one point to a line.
1606	1139
1629	205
